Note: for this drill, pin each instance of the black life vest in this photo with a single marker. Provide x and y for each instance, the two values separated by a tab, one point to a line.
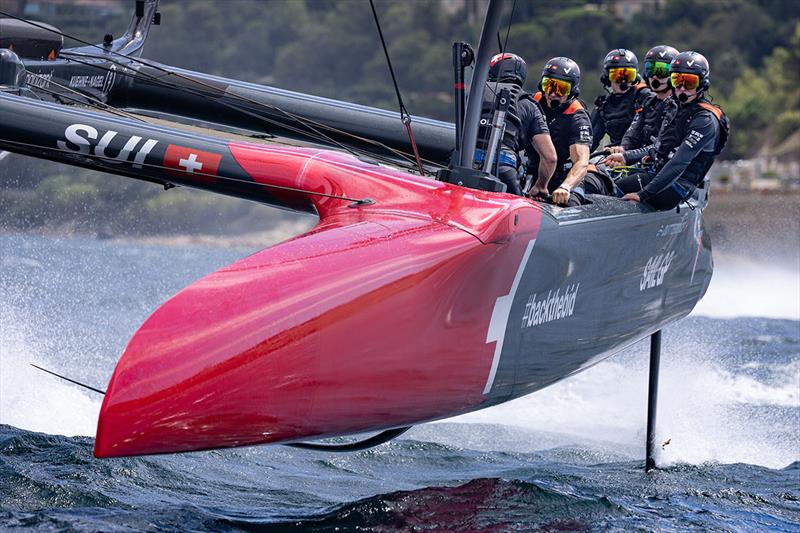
674	130
559	125
488	108
654	110
617	110
724	124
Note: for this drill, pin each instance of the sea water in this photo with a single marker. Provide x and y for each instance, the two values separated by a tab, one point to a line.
569	457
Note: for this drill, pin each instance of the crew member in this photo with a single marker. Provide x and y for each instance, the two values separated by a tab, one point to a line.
525	124
687	143
570	130
648	118
614	112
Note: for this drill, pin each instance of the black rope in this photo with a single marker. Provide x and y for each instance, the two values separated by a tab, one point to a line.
371	442
503	47
87	99
310	132
216	90
46	149
65	378
508	30
160	81
405	117
403	111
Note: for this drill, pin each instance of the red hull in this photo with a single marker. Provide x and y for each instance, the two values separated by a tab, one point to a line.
367	322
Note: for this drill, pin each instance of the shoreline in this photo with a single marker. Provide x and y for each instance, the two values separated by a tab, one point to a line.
740	221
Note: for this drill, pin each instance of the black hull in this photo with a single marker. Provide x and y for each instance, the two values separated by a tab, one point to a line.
625	272
202	98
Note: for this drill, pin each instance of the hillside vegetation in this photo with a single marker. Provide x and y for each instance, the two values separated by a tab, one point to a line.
331	48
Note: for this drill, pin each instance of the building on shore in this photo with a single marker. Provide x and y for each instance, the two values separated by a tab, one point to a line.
758	174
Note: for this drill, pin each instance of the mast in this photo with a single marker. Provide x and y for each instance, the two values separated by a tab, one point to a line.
491	25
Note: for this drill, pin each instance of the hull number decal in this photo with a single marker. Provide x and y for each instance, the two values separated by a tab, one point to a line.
655	270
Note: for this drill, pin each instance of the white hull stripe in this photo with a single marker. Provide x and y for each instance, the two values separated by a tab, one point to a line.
499	321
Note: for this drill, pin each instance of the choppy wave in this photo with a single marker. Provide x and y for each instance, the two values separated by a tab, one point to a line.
566	458
51	482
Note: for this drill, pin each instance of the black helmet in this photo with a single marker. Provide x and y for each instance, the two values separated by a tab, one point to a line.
692	63
12	71
563	68
508	67
662	52
656	65
619	58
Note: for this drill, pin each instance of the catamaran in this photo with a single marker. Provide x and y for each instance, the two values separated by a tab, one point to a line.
423	292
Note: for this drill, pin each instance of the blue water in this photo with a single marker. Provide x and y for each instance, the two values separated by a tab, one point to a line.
568	458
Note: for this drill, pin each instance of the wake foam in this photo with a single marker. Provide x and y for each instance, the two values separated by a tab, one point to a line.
33	400
708	413
746	287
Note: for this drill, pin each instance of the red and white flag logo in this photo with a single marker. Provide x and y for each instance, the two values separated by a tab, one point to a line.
184	161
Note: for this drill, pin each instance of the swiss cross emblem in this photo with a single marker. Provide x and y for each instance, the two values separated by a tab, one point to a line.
183	161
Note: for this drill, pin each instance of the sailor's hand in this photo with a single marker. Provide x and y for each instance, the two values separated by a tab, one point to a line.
561	196
632	197
538	192
614	160
615	149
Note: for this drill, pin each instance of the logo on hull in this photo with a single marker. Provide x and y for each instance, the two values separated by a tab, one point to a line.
183	161
79	138
554	306
41	81
655	270
671	229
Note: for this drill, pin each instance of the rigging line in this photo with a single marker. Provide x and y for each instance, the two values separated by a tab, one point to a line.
65	378
508	30
405	118
88	99
74	100
168	72
160	81
503	47
301	120
359	201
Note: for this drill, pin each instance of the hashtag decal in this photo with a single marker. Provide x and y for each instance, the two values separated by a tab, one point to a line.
499	320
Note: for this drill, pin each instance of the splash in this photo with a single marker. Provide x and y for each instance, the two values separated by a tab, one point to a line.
33	400
706	412
745	287
709	410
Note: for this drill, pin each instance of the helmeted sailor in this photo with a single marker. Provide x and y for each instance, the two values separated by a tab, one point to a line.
570	129
648	118
524	122
687	143
614	112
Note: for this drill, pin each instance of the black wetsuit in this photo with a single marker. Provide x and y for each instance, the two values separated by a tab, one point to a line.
613	114
524	119
682	154
647	122
569	125
533	122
